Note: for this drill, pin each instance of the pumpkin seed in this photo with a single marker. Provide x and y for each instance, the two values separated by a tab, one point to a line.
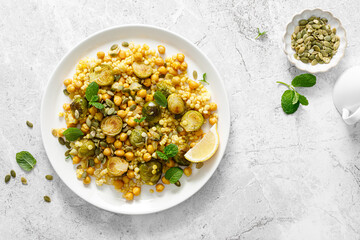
111	111
13	173
178	184
103	144
132	107
113	47
47	199
67	153
61	141
23	181
303	22
66	92
91	162
195	75
29	124
314	62
77	114
199	165
88	122
84	175
125	44
49	177
7	178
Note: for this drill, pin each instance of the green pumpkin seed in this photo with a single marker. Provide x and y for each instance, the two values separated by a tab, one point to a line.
113	47
111	111
199	165
7	178
84	175
304	60
103	144
125	44
49	177
88	122
91	162
23	181
61	141
195	75
77	114
66	92
47	199
132	107
13	173
303	22
178	184
29	124
314	62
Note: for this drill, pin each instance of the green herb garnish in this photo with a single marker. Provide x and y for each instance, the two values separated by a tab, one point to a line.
174	174
169	151
162	155
25	160
291	99
139	120
91	95
204	79
71	134
260	33
160	98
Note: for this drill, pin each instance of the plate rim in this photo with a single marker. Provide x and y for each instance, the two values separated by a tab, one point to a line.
62	60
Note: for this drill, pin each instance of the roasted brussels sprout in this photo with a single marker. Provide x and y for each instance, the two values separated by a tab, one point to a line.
192	121
117	166
80	105
179	158
151	110
164	87
112	125
146	172
138	137
175	104
142	70
87	148
104	77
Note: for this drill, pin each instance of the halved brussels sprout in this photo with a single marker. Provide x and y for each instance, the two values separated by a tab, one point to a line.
79	104
146	172
87	148
142	70
192	121
175	104
152	111
104	77
164	87
136	137
117	166
112	125
179	158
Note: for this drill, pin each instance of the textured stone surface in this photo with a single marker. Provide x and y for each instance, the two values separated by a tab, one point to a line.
283	177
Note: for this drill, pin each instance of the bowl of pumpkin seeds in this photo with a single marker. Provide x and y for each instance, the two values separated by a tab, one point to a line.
315	41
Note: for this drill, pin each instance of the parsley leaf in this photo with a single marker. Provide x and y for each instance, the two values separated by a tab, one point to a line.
140	120
204	79
260	33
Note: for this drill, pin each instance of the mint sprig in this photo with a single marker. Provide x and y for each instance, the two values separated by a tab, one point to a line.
139	120
260	33
174	174
91	95
169	151
72	134
204	79
291	99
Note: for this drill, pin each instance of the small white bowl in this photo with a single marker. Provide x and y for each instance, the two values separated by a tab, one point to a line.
334	23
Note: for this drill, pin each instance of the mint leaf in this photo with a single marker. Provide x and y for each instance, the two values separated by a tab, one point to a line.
260	33
162	155
204	79
296	98
173	174
171	150
303	100
91	90
97	105
25	160
287	102
71	134
140	120
304	80
160	98
94	98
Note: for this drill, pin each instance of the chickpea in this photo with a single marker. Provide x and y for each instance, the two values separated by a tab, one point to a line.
70	88
213	106
129	196
92	110
67	82
131	122
170	163
78	84
87	180
117	100
118	184
66	106
136	191
141	93
100	55
180	57
76	160
192	144
187	171
159	187
150	149
175	80
119	153
130	174
161	49
126	85
129	156
164	180
138	57
98	116
183	66
147	157
162	70
155	78
127	142
105	96
149	98
107	58
175	65
118	144
107	152
193	84
90	170
213	120
110	139
125	179
123	106
123	137
147	82
122	54
159	61
121	113
85	128
173	71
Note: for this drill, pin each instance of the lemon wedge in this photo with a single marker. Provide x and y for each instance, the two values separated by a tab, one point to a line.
206	148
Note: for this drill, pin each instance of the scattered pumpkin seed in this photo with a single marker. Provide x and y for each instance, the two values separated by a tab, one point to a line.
47	199
49	177
91	162
61	141
110	111
178	184
66	92
67	153
13	173
23	181
125	44
199	165
132	107
29	124
113	47
84	175
77	114
195	75
7	178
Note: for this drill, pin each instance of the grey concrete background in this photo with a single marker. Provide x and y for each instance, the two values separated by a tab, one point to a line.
283	177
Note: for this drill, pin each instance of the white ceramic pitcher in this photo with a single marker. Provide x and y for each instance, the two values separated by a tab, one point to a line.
346	95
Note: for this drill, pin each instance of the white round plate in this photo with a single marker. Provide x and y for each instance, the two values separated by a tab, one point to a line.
107	197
